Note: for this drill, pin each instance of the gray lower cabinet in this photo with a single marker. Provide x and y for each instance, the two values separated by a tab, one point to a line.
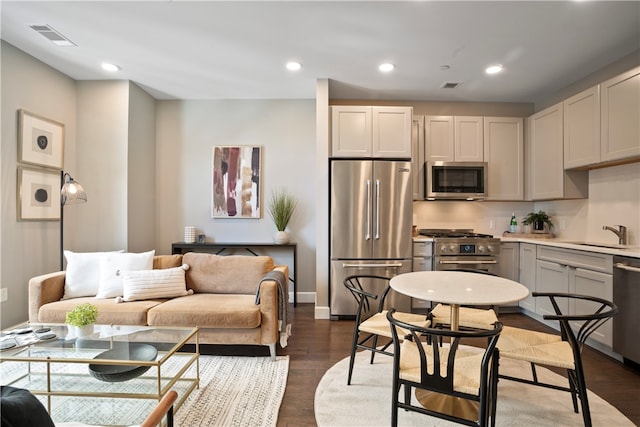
422	261
509	263
527	274
575	272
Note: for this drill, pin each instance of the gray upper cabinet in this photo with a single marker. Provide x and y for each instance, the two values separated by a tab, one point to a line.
620	115
582	129
365	131
417	157
504	153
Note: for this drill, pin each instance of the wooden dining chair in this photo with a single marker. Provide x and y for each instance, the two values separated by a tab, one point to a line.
562	350
371	321
164	410
452	381
469	317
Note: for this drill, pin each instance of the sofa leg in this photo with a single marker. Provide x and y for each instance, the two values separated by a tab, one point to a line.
272	351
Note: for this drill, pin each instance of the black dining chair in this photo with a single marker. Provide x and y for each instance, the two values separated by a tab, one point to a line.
371	321
463	376
563	350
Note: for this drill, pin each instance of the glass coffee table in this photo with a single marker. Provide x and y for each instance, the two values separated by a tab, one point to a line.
114	376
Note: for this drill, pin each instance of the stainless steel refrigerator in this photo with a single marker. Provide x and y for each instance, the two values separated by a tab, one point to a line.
370	227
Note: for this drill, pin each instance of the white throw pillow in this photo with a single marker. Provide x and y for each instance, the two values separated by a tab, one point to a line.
112	264
148	284
82	277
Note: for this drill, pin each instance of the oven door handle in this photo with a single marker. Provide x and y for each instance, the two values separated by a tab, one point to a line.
364	265
493	261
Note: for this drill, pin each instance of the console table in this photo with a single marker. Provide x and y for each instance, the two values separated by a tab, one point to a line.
219	248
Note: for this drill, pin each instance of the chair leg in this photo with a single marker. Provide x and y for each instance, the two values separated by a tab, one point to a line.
584	401
574	388
375	345
352	358
394	404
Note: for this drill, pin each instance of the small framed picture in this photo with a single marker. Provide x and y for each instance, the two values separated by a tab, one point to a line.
40	140
38	194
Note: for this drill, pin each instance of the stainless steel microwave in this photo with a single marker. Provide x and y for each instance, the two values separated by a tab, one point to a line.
456	180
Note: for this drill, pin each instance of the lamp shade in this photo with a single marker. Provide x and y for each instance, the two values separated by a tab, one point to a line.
71	191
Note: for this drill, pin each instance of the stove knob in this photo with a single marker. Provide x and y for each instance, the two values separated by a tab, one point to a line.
443	248
452	248
481	249
489	248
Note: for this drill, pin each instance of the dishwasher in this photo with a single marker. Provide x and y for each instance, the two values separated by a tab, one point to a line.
626	295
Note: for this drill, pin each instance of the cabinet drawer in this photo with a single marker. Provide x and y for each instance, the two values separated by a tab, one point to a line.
422	249
581	259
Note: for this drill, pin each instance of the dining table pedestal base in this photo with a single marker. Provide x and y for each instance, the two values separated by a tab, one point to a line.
451	405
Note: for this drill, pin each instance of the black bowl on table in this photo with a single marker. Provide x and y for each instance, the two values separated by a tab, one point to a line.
119	373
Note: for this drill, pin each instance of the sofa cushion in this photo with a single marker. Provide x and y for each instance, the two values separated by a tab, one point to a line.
83	273
148	284
233	274
112	264
167	261
207	311
109	312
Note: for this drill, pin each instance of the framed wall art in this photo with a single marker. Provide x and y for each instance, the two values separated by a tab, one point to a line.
236	189
38	194
40	140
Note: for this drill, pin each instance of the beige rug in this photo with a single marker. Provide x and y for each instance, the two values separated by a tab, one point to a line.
367	401
234	391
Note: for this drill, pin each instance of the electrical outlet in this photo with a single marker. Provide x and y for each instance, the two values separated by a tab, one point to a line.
563	224
4	294
492	224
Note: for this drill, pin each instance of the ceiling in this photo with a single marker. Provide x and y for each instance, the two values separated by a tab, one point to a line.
238	49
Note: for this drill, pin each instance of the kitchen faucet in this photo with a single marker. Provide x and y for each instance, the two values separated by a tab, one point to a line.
621	232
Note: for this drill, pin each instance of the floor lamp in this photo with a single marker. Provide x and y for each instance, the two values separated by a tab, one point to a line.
70	192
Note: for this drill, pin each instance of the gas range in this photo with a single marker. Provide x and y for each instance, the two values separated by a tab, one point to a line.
463	248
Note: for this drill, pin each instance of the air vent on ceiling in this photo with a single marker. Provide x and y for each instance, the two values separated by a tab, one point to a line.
450	85
52	35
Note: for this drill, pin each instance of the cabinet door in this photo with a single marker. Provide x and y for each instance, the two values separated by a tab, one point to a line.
509	260
417	157
546	161
351	131
592	283
439	138
391	132
468	139
504	153
528	274
582	129
620	109
551	277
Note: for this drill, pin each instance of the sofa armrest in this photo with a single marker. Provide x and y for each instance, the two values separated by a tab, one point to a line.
43	290
269	307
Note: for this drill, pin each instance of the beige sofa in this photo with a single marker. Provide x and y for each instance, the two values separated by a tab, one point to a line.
223	302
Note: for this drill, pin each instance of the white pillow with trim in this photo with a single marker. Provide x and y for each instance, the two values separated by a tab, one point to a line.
149	284
82	277
111	265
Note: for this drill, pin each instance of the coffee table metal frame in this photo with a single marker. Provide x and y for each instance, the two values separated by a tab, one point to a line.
23	353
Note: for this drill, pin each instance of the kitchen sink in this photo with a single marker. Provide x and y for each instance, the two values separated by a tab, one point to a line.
600	245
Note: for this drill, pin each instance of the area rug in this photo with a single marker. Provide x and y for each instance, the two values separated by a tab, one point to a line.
367	401
234	391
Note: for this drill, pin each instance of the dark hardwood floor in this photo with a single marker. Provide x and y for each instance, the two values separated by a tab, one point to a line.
316	345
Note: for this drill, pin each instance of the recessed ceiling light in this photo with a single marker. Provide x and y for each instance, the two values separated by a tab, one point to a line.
386	67
494	69
110	67
293	66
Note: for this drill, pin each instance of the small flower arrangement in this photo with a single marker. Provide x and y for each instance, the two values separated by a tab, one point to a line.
82	315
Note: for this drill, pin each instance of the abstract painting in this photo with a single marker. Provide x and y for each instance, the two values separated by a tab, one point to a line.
40	140
236	182
38	194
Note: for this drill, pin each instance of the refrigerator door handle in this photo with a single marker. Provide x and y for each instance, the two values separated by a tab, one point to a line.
377	236
364	265
367	235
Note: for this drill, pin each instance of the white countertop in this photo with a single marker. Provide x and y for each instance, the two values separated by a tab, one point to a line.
629	251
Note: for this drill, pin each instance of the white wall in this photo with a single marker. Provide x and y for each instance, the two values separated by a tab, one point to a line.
29	248
187	131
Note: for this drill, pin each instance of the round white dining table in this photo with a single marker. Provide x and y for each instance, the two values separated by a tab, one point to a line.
458	288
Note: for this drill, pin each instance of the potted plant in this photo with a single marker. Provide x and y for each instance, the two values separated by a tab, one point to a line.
538	220
281	207
81	318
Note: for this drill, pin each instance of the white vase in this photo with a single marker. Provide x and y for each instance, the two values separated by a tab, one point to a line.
281	237
80	331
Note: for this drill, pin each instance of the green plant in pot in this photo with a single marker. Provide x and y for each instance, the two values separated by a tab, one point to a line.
538	221
281	207
81	318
